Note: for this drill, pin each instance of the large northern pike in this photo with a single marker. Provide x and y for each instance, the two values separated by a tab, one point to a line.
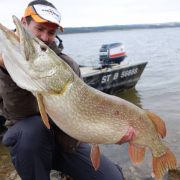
82	112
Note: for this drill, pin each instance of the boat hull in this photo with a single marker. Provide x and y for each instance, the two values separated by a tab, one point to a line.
114	78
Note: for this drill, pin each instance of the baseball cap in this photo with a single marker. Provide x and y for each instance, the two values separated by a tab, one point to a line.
43	13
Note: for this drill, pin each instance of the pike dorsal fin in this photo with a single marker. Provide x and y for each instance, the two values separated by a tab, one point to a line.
43	113
95	156
136	153
159	123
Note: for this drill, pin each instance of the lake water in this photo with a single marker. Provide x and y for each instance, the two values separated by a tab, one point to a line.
158	89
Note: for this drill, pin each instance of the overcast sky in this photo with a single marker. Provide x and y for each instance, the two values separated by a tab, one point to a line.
82	13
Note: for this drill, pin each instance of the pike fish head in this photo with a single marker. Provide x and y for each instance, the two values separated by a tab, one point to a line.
48	69
38	67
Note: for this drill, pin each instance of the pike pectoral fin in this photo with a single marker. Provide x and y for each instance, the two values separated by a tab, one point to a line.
95	156
159	124
136	153
42	110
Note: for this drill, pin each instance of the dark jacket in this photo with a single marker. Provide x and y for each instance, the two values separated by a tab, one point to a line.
17	103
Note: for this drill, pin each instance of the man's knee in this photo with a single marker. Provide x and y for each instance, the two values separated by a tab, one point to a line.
30	134
31	145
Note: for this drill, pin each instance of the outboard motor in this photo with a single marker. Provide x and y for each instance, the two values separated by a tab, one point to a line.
113	53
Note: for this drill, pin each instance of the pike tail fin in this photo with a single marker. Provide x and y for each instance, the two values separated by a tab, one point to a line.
164	163
159	124
136	153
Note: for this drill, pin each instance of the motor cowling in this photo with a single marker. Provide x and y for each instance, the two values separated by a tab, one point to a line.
113	53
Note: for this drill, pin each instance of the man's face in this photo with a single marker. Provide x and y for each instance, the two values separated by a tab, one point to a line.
46	32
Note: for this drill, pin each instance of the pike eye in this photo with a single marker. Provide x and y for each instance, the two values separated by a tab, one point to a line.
43	48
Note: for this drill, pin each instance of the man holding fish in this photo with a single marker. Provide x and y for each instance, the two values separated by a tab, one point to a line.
35	149
82	112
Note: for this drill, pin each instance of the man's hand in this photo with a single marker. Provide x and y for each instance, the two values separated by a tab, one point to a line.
1	61
128	136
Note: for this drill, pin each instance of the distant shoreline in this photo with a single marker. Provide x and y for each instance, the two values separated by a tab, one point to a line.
70	30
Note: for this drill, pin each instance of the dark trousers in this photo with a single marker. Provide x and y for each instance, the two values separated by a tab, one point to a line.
33	150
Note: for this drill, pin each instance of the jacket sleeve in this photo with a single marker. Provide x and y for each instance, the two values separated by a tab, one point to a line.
1	105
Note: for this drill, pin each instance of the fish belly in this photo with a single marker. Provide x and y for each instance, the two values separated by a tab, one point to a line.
85	124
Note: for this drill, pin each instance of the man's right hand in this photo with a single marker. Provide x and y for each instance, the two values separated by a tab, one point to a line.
1	61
